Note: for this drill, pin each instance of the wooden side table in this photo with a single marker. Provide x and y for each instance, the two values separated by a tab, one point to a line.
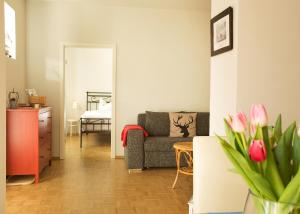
186	149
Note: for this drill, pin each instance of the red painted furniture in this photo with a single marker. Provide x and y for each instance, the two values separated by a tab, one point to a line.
28	139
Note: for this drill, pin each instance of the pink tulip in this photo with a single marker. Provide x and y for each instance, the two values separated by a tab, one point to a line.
229	120
258	115
252	130
298	131
257	151
239	122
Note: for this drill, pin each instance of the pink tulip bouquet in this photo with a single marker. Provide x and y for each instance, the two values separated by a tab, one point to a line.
266	157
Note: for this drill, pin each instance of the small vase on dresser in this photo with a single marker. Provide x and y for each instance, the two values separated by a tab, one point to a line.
29	140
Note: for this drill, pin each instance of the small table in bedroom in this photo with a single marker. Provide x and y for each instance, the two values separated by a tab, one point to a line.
73	123
185	148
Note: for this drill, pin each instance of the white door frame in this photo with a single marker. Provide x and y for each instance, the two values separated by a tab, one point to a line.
3	95
62	122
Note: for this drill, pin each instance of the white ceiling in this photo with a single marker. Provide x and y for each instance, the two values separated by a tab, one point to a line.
162	4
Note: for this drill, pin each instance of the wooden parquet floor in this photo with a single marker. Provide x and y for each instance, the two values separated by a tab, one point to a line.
89	182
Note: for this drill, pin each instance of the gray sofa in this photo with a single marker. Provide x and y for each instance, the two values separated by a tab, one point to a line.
157	150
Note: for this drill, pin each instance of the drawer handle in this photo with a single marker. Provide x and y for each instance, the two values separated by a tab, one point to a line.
49	117
42	156
41	138
41	121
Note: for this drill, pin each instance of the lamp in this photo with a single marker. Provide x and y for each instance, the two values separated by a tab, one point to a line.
74	105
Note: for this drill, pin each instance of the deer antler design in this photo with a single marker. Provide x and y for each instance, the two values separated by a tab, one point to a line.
185	126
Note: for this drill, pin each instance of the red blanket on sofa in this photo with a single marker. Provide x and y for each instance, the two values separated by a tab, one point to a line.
131	127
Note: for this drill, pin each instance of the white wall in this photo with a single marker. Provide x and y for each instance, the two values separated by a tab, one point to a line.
87	69
264	65
162	54
216	189
2	113
269	60
16	68
223	73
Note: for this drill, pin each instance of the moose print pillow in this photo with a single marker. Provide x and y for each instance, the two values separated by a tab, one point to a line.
182	124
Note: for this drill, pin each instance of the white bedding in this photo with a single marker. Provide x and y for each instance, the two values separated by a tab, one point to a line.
104	112
96	115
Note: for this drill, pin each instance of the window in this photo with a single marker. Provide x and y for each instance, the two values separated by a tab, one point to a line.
10	31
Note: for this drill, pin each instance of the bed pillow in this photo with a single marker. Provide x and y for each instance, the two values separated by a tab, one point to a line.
157	123
106	107
182	124
102	102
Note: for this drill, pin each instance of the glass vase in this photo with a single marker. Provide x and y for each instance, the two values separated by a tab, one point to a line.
257	205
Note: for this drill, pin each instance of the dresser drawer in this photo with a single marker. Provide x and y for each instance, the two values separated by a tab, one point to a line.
45	114
44	156
45	128
46	138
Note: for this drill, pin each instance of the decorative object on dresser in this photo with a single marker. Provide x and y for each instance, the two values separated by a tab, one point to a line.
37	101
13	98
28	139
34	100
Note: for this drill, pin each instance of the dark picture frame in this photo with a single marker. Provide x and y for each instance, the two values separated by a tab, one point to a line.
221	32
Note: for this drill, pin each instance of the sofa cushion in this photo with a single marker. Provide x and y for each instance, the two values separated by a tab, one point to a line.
162	159
157	123
182	124
202	124
141	121
163	144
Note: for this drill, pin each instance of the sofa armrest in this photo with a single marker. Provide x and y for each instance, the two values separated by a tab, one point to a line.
134	151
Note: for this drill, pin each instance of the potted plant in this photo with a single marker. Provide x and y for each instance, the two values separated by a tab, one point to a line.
267	158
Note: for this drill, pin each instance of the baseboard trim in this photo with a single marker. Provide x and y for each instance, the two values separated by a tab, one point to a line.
119	157
134	171
55	158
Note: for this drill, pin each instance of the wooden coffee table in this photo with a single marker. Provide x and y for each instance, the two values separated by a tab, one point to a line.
186	149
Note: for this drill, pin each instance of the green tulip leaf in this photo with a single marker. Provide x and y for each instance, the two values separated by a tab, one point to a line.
296	153
256	182
271	170
288	136
291	194
277	129
284	153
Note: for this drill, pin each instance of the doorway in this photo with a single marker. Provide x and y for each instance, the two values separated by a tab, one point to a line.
89	74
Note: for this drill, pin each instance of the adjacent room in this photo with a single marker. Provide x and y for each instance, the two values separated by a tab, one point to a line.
150	106
88	95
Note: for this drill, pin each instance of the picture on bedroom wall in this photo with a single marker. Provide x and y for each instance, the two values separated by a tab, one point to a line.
221	32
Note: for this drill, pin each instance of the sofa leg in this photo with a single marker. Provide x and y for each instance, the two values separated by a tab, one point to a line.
135	170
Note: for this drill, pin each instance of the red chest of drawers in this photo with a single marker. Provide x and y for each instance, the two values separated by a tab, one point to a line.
28	141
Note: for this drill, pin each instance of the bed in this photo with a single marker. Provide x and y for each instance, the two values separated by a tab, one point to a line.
97	117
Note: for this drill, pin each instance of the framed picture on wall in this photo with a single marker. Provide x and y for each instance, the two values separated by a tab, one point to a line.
221	32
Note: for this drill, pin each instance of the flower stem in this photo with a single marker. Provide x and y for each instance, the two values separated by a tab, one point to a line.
244	141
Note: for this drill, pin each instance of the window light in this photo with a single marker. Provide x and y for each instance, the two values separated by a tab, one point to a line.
10	31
